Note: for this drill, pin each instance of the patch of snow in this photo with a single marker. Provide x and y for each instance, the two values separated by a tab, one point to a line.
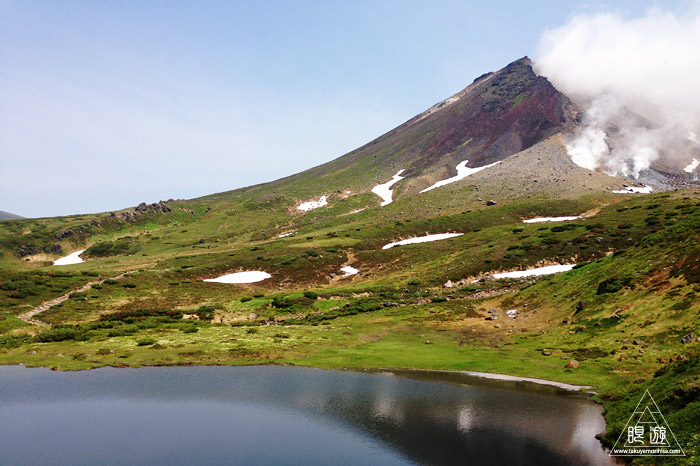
357	211
512	378
692	166
634	189
284	235
462	172
349	270
422	239
240	277
512	313
310	205
550	269
550	219
693	137
384	190
72	258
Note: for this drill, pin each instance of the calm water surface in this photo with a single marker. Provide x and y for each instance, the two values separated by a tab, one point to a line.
268	415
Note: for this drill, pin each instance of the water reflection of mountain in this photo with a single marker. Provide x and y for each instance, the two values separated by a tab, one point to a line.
435	423
426	422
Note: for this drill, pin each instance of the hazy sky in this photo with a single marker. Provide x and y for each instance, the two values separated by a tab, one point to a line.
107	104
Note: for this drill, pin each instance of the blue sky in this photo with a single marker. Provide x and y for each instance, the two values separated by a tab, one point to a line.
107	104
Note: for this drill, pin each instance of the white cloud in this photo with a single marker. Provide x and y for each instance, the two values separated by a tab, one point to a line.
649	65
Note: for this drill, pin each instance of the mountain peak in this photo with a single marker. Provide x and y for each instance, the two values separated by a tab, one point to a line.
500	114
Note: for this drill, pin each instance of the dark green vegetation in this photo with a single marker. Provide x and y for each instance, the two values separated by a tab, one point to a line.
621	313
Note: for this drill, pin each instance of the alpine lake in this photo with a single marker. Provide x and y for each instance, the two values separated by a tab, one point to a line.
277	415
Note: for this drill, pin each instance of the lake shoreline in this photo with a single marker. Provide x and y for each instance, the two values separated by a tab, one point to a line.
483	375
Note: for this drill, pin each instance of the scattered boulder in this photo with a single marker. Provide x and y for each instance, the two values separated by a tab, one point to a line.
428	342
448	284
491	202
512	313
63	234
252	316
21	252
580	306
688	338
636	342
573	364
546	353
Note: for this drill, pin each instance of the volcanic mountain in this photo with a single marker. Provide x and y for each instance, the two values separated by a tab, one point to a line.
498	115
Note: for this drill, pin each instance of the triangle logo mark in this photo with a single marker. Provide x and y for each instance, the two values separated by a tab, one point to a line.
647	433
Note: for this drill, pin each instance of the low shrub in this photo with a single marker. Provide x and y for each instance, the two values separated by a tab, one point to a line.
281	302
146	342
62	333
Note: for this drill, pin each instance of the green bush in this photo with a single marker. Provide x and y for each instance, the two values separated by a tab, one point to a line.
311	295
163	315
121	332
106	249
612	285
62	333
281	302
564	227
362	305
245	299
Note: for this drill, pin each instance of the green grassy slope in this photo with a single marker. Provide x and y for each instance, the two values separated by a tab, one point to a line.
626	335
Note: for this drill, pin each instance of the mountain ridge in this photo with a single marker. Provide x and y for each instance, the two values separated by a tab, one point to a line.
499	114
9	216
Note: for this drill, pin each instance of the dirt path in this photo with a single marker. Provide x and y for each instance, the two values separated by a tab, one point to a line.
46	305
